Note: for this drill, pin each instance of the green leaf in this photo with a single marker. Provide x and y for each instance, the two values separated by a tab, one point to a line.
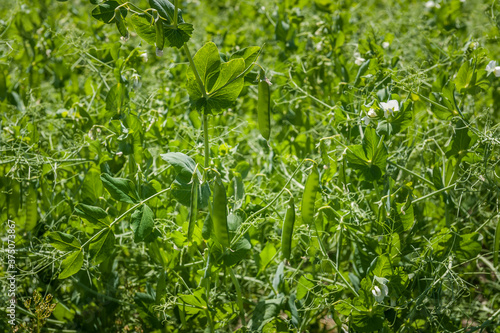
116	99
166	10
249	54
468	246
121	189
144	26
105	12
93	214
464	76
361	71
370	158
266	255
242	247
71	265
102	247
207	62
461	139
196	301
64	242
405	214
368	321
178	37
161	287
465	246
92	188
184	167
229	72
264	312
304	285
225	90
142	223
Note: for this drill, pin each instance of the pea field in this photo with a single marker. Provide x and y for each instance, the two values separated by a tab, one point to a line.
249	166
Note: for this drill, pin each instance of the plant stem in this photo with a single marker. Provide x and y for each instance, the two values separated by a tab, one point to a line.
176	5
206	142
195	71
239	295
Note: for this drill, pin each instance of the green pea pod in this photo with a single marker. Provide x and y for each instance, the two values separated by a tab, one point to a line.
120	24
219	213
309	196
160	37
264	106
287	231
193	208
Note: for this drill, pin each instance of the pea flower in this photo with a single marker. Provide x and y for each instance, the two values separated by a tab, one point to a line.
390	107
380	292
493	68
359	60
367	118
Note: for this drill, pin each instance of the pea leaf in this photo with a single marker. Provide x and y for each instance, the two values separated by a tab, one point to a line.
461	139
196	301
121	189
465	246
166	10
264	312
105	12
64	242
464	76
249	54
184	167
370	158
71	265
101	247
207	62
95	215
178	37
143	25
304	286
142	223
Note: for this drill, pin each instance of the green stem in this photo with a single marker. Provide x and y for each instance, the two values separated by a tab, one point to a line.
239	295
195	71
411	173
176	5
206	141
433	193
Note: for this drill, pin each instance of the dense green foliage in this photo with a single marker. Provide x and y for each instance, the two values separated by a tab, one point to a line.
151	190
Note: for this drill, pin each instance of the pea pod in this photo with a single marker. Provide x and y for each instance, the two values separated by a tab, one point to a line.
160	36
31	208
287	230
309	196
219	213
264	106
193	208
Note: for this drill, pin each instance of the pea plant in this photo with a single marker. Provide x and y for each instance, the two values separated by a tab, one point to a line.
159	173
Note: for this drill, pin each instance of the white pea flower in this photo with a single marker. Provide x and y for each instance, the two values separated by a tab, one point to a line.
496	71
144	57
490	68
380	292
390	107
430	4
359	60
386	45
371	114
